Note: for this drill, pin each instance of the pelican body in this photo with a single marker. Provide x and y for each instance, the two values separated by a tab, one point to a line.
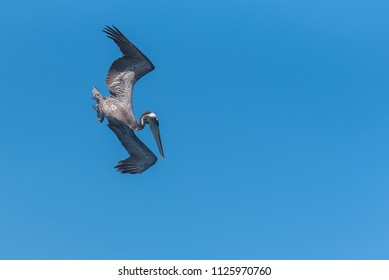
118	109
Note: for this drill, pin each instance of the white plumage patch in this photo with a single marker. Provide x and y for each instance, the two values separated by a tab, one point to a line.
152	115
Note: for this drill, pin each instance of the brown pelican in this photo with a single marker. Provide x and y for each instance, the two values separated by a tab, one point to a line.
117	107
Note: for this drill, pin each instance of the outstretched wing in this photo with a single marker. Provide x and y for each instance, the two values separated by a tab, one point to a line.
140	159
125	71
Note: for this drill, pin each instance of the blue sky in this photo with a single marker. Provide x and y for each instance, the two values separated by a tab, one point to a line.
274	120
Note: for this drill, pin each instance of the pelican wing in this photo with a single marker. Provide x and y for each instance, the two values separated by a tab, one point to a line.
140	159
125	71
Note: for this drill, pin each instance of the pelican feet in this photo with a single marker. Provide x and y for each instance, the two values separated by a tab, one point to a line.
97	96
100	115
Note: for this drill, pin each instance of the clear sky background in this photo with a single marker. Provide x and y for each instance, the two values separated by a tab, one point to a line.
274	120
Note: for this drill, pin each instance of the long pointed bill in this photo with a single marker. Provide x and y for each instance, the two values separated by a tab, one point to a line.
155	130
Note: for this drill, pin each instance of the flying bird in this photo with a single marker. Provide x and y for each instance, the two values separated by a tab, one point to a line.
118	107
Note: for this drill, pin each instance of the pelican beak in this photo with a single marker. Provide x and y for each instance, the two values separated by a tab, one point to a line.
157	136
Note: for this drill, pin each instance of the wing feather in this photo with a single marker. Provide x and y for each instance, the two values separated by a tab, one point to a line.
141	158
125	71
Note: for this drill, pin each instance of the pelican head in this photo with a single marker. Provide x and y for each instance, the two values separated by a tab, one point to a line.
152	120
